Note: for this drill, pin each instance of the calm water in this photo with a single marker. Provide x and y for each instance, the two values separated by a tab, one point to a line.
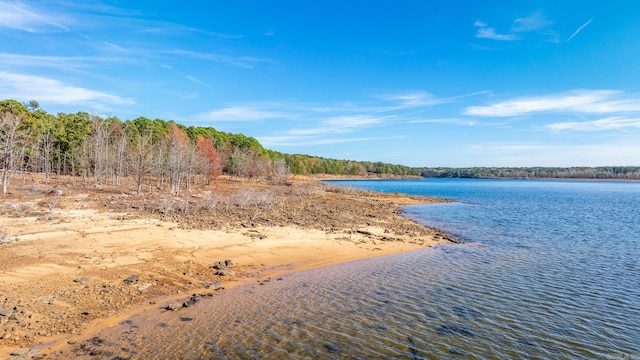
548	269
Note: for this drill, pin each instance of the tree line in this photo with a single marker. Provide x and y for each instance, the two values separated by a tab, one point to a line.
99	151
602	172
306	164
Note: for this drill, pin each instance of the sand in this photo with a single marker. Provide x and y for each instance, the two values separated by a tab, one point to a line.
69	265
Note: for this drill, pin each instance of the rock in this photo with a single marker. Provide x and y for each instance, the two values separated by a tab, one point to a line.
4	312
132	279
174	307
42	333
81	280
225	272
95	352
35	354
229	263
72	342
6	335
19	352
218	265
213	287
144	286
192	301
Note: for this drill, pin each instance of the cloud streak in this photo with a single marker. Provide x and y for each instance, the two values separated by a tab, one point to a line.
609	123
247	62
578	30
58	62
290	140
29	87
192	79
19	16
340	125
239	114
580	101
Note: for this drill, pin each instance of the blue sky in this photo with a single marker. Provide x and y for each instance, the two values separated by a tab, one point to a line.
420	83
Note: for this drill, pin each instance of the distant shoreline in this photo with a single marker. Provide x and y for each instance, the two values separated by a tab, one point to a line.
324	177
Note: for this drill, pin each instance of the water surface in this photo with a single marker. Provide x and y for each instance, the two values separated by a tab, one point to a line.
548	269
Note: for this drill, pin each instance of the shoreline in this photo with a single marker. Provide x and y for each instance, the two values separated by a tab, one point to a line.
65	271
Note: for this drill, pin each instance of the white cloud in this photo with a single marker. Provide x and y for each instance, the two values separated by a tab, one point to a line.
353	121
485	32
29	87
290	140
610	123
411	99
423	98
339	125
59	62
240	113
580	101
532	22
19	16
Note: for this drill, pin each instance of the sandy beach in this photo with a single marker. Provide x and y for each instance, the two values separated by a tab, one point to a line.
76	259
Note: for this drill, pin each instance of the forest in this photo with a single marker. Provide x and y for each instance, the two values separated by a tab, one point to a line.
99	151
603	172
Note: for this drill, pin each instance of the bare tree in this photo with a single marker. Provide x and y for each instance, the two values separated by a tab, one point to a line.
12	140
280	170
119	143
100	134
141	158
9	124
179	161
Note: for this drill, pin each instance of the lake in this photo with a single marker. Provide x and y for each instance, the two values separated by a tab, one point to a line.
545	270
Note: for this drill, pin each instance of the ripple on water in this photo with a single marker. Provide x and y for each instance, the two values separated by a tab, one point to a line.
545	280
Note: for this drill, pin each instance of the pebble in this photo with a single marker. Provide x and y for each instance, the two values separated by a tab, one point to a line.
132	279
